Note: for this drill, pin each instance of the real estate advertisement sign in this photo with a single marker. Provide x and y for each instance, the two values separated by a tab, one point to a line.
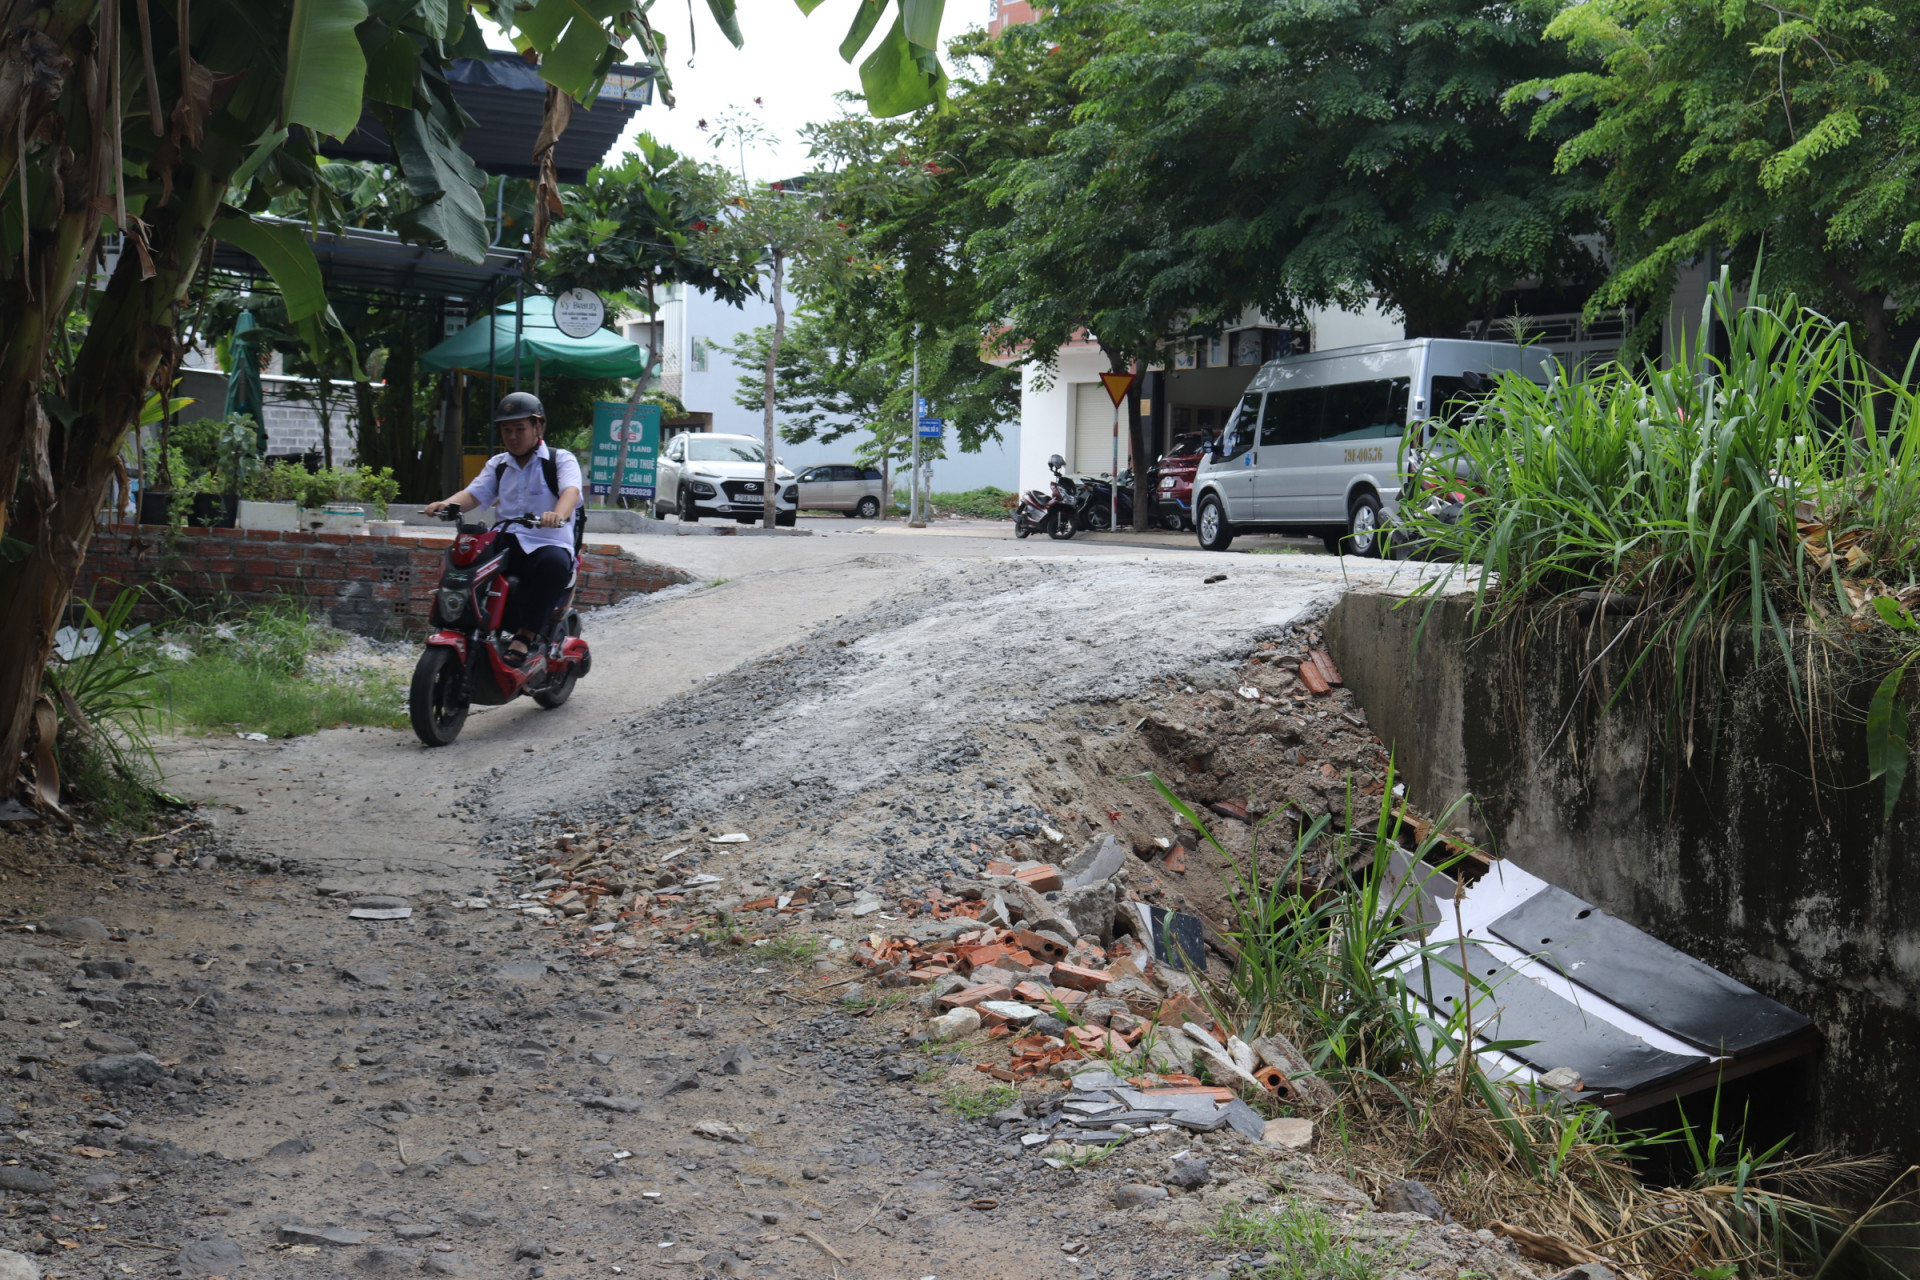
642	438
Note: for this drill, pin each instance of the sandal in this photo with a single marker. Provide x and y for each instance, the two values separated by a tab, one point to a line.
513	656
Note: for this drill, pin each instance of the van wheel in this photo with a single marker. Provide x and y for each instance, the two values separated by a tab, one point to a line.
869	507
1210	524
1363	526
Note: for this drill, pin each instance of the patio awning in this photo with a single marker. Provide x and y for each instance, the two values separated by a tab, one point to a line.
380	262
542	347
506	97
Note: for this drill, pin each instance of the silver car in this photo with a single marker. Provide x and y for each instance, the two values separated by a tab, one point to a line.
835	486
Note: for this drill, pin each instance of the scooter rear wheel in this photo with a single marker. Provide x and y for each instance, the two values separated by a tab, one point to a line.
434	703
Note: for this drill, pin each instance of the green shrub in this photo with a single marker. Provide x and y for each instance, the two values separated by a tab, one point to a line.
276	482
984	503
292	482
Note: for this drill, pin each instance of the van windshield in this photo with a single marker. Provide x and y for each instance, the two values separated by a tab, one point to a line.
721	450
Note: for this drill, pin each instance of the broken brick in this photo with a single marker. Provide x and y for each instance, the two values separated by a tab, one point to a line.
1078	979
999	868
1323	664
1040	948
972	996
1176	860
1043	879
1033	993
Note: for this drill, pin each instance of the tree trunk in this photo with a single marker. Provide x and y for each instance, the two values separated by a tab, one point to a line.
130	332
773	359
323	403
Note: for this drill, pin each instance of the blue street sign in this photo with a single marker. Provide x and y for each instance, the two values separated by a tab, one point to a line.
925	408
932	428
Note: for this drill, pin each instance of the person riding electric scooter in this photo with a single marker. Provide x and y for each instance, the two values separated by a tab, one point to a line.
529	479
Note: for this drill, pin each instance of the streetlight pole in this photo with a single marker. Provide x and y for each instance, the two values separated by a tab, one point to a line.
916	514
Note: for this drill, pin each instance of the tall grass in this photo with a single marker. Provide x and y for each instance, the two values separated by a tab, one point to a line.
1774	489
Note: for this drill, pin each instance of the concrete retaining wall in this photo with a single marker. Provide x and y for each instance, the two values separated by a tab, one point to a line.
1735	858
375	586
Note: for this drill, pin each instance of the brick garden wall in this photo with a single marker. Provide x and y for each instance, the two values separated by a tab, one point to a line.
375	586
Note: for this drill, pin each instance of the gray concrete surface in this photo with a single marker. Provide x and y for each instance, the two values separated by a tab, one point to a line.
377	811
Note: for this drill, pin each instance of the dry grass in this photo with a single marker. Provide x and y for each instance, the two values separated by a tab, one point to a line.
1766	1217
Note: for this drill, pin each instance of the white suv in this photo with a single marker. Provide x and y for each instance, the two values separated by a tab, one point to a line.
704	474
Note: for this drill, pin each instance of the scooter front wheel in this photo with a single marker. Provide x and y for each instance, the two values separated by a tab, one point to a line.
1060	525
434	703
555	694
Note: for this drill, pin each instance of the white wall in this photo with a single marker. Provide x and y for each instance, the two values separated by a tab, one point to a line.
1046	412
1371	323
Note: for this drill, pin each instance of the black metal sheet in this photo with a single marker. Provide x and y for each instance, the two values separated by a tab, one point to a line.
1564	1035
1646	977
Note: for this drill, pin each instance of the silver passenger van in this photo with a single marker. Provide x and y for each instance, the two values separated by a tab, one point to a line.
1314	446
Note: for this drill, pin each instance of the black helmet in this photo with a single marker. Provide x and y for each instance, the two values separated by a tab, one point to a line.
519	404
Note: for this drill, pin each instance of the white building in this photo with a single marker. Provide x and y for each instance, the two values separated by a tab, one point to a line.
1065	410
689	335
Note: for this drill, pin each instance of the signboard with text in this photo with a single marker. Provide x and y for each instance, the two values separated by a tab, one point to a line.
642	438
932	428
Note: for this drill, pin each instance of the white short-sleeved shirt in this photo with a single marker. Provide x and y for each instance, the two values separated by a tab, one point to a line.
522	491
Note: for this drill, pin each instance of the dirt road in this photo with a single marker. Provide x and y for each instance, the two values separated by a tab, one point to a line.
462	1092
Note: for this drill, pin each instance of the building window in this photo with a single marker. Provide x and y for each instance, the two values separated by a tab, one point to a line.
699	355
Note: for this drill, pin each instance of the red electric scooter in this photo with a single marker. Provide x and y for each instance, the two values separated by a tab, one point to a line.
464	663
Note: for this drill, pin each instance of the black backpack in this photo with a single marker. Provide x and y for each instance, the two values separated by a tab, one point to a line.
550	469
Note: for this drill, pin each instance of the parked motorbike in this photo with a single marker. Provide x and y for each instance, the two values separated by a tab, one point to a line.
1435	488
1057	512
1094	516
464	662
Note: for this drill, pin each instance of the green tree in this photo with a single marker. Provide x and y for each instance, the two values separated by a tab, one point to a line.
635	226
1307	155
764	229
1723	126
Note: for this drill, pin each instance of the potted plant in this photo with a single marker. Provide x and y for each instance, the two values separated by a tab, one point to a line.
271	498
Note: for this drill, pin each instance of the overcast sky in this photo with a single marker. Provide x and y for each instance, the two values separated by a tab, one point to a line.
791	63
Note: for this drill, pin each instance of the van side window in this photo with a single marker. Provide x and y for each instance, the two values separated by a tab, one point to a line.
1366	410
1293	417
1242	428
1449	398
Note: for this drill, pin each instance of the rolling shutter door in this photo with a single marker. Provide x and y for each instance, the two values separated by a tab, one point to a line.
1093	431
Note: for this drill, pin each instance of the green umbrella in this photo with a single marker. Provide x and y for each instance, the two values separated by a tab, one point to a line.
243	384
542	346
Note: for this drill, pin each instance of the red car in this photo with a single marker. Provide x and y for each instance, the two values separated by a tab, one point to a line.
1172	478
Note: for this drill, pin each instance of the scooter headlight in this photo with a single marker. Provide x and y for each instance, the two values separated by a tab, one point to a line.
453	603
